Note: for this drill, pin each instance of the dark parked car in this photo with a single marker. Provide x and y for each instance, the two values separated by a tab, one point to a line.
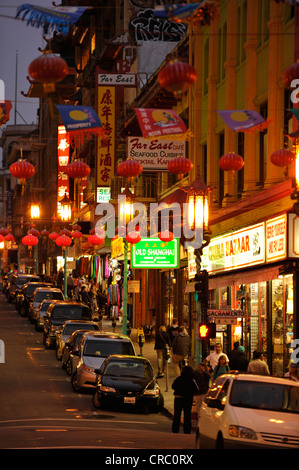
6	281
16	283
40	294
66	331
40	318
57	313
71	346
127	380
24	297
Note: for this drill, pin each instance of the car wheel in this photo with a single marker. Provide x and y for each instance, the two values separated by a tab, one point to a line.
47	341
75	384
219	442
68	367
97	402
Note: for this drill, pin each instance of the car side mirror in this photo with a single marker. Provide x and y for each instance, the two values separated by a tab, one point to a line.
215	403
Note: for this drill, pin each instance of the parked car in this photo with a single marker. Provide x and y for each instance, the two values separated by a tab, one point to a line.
93	349
127	380
16	283
6	281
41	313
24	297
72	344
66	331
40	294
243	411
58	312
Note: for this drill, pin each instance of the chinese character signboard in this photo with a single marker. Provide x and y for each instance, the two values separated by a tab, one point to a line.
63	153
154	253
276	238
106	145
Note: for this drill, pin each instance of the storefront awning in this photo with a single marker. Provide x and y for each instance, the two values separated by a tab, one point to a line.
249	277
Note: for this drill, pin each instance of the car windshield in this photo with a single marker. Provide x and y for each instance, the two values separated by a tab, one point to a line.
104	348
39	296
129	369
31	288
71	327
20	281
69	312
265	396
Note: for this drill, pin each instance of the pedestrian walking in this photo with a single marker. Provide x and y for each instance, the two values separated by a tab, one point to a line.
240	362
258	365
185	388
70	286
162	344
202	379
233	356
213	358
181	349
85	297
221	368
293	373
173	330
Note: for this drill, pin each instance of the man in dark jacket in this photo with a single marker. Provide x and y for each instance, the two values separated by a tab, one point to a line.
233	356
181	349
184	388
162	342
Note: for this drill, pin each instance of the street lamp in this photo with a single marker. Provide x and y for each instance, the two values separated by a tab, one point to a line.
198	221
35	214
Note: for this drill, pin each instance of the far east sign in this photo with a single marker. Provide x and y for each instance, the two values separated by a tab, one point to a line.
154	253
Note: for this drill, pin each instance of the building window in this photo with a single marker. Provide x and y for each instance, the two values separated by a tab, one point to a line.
263	147
263	18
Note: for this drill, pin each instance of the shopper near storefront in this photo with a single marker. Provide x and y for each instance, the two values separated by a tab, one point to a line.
233	356
221	368
213	358
181	349
185	388
173	330
202	379
70	286
162	342
240	362
258	365
293	373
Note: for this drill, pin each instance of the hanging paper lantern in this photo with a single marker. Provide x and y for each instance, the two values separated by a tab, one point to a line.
1	238
231	162
33	231
95	240
76	234
129	168
9	237
180	165
44	233
291	73
30	241
166	236
63	241
48	69
283	157
77	169
177	77
66	232
133	237
53	235
76	227
22	170
4	231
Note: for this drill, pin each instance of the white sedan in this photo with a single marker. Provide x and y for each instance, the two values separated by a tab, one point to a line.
242	411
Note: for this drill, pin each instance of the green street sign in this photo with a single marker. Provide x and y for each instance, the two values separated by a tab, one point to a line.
156	254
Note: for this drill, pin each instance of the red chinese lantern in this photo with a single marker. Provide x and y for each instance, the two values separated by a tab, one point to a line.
53	235
4	231
44	233
76	234
30	241
283	157
63	241
291	73
33	231
9	237
66	232
166	236
177	77
48	69
1	238
231	162
95	240
77	169
133	237
22	170
180	166
129	168
76	227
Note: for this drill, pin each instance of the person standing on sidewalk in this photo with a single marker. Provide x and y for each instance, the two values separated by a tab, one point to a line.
184	388
181	349
161	343
173	330
202	379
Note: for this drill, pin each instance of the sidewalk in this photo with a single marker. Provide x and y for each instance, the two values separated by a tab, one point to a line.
149	352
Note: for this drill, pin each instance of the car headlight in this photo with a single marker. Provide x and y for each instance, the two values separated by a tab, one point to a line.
241	432
152	391
104	388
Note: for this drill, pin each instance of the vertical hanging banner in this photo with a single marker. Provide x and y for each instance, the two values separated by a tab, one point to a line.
106	146
63	153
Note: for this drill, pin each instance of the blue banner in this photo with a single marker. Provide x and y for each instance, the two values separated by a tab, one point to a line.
79	118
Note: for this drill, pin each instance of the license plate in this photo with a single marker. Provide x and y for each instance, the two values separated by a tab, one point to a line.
129	400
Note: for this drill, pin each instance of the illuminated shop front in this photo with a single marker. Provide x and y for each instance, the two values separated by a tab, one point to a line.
252	273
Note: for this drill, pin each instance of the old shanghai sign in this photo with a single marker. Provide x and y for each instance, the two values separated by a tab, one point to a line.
154	253
154	154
